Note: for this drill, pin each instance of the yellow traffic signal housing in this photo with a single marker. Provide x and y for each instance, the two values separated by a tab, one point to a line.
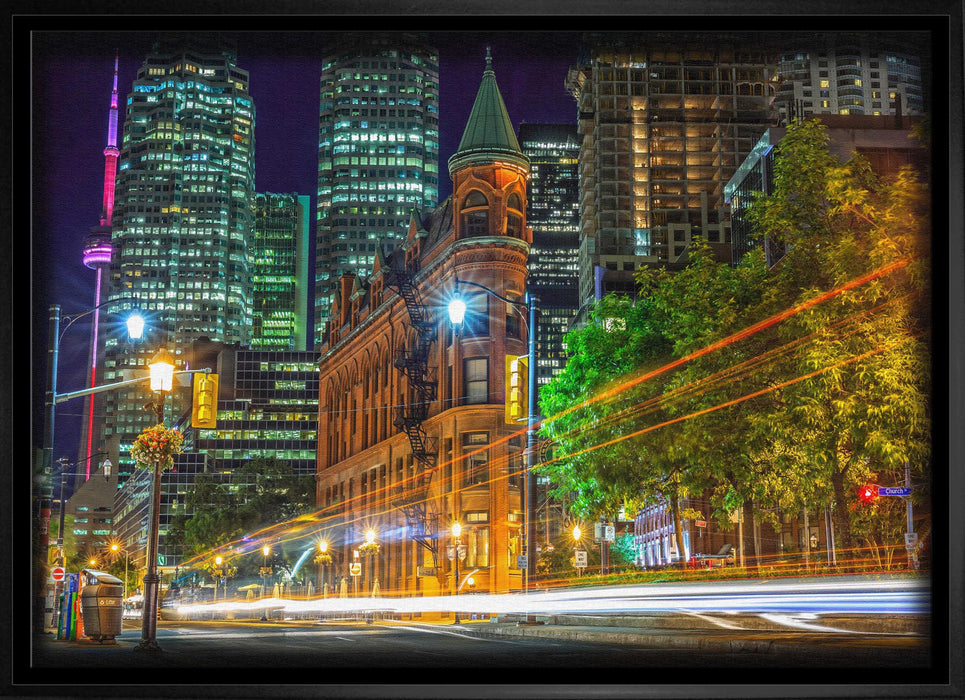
204	409
517	388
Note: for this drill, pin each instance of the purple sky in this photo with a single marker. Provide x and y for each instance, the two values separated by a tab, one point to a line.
71	79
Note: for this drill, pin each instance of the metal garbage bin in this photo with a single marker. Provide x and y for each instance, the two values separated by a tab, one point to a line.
101	606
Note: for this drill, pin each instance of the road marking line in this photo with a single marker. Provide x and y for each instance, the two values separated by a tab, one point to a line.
714	620
795	622
432	630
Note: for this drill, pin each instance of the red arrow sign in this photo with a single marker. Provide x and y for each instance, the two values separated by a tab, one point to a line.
57	573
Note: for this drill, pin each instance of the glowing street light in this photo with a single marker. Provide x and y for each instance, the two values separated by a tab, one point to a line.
218	561
457	551
115	548
162	375
457	313
265	551
44	494
457	309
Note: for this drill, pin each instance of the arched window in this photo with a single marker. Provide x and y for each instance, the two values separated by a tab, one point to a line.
475	214
475	199
514	219
475	223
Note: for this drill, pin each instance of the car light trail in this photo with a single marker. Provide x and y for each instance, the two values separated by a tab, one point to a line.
733	402
840	596
303	525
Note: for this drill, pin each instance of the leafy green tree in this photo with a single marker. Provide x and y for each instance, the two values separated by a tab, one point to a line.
215	520
273	494
861	402
769	388
623	552
265	492
619	339
70	539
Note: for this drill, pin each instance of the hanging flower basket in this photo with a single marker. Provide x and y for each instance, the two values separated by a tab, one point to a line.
323	559
156	447
369	548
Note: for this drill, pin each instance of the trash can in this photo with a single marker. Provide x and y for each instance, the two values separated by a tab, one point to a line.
101	606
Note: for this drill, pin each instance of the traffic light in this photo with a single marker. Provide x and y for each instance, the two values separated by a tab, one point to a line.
204	410
517	388
868	493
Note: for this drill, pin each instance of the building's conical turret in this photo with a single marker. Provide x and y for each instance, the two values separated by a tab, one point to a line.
489	132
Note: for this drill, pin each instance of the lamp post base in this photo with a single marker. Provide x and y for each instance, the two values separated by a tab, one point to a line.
148	645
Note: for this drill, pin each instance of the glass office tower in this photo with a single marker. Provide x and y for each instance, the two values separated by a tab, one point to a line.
378	152
553	212
847	73
279	272
183	216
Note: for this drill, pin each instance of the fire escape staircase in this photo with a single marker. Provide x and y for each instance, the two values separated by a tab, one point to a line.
412	496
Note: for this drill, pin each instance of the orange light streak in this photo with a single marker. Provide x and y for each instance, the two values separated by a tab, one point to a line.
282	532
738	400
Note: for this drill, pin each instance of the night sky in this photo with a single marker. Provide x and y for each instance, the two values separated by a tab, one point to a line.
72	74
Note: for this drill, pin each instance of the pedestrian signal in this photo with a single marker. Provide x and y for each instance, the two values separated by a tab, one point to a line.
204	410
517	388
868	493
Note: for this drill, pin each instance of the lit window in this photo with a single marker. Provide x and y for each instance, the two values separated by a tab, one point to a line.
476	380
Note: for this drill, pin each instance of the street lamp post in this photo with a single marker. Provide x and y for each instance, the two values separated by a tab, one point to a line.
355	577
457	310
457	552
265	551
371	549
577	536
43	496
218	560
162	376
323	554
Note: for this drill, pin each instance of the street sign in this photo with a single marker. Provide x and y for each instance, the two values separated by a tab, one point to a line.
609	533
355	569
58	574
911	540
581	559
522	561
893	491
701	523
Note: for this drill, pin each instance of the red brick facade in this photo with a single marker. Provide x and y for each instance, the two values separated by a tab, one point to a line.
365	461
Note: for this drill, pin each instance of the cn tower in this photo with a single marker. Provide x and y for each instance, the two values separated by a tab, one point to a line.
97	256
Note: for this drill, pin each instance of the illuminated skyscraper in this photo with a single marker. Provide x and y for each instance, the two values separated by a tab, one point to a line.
279	272
553	212
378	153
845	73
97	256
183	217
664	121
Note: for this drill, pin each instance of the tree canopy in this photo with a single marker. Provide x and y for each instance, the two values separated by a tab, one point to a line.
785	386
223	509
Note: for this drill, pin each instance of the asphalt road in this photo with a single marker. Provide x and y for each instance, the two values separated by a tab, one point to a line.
334	646
681	636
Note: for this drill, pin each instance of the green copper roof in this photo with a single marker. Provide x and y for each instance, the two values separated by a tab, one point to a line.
489	132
